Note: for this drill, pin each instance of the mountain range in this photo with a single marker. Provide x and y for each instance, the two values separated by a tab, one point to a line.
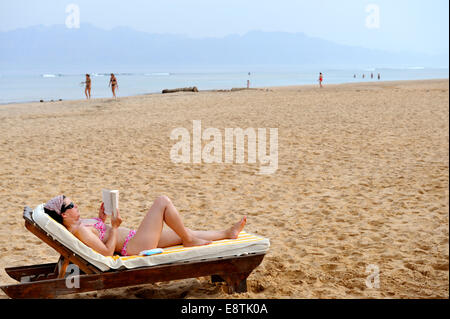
90	45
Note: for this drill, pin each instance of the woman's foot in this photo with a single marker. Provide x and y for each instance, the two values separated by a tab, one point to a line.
234	231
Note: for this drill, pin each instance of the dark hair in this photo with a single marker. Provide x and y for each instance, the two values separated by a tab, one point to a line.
54	215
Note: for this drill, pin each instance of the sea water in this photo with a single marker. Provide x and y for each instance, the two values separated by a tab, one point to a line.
50	84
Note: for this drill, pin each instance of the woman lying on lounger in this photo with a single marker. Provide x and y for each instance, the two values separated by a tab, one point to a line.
106	239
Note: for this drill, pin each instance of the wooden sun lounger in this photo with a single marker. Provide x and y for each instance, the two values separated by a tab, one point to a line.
49	280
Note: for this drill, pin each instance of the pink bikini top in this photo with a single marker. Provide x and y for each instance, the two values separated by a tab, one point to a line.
100	226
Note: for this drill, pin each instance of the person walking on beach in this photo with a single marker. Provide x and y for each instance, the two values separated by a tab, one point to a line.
113	84
320	79
87	90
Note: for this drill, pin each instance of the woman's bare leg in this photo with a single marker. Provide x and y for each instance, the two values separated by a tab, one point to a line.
149	232
170	238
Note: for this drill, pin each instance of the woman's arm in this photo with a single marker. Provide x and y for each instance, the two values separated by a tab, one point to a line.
91	240
101	212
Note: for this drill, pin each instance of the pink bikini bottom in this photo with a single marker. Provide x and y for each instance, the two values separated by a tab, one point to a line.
123	252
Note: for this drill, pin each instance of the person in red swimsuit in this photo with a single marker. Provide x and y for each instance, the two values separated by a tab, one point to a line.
320	79
110	239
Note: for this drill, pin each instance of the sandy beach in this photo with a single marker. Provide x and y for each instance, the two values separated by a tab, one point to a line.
362	179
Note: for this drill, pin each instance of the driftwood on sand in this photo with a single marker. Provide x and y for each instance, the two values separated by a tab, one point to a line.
191	89
194	89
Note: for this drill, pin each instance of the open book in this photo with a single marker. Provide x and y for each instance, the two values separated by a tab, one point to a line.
111	201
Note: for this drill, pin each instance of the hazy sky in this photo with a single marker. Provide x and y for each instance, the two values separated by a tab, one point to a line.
395	25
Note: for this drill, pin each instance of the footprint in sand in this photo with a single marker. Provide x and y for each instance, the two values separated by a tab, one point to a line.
329	267
441	266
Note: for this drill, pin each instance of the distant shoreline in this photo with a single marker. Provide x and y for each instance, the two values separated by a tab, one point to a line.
311	86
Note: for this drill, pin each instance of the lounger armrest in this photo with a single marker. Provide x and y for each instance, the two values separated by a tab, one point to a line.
27	214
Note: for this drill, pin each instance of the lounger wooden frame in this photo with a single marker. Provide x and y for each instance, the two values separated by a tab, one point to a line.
50	280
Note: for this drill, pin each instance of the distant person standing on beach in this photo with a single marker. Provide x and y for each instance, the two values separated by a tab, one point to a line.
87	90
379	76
320	79
113	84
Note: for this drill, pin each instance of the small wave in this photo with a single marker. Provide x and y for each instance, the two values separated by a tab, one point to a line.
157	74
403	68
49	75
